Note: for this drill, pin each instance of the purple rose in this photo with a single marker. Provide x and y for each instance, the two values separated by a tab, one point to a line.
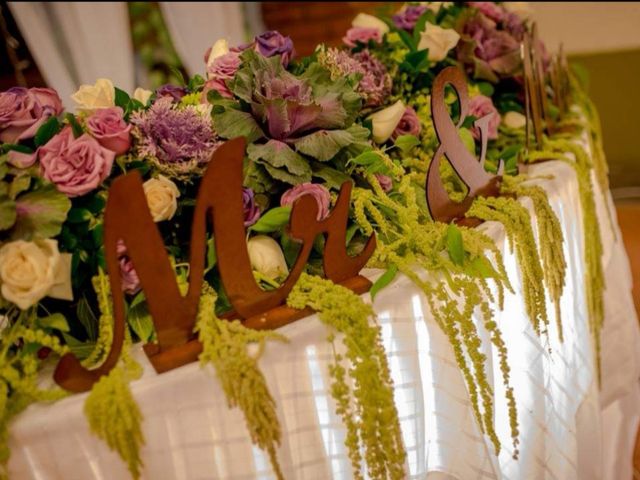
362	35
251	210
75	165
489	9
107	125
225	66
385	182
409	124
172	91
407	18
23	110
274	43
318	192
480	106
128	274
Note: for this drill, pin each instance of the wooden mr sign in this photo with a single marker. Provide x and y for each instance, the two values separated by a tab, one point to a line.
219	203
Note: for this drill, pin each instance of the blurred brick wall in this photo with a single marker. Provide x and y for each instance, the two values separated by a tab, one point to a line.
311	23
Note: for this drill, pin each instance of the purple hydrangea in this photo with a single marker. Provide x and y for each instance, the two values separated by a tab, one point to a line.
407	18
251	210
178	139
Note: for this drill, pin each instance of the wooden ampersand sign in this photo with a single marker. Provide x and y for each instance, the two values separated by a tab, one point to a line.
466	165
219	201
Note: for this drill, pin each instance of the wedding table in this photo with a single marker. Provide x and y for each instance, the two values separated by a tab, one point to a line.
569	426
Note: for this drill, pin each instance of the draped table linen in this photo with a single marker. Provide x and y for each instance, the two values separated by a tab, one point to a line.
570	427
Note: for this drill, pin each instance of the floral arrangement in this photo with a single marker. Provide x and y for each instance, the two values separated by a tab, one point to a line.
358	113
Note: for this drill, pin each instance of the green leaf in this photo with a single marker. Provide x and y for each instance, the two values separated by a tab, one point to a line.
18	185
416	61
281	161
406	142
385	279
481	267
323	145
41	213
140	321
232	123
406	38
469	121
46	131
80	349
76	128
333	178
18	148
8	213
468	140
178	74
486	89
366	158
56	321
211	255
87	318
195	83
272	220
79	215
122	98
454	245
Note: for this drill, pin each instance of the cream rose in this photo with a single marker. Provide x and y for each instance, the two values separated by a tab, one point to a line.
364	20
102	94
221	47
438	40
142	95
514	120
29	271
385	121
436	6
162	197
266	257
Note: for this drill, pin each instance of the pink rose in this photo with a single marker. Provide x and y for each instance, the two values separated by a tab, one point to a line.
362	35
489	9
218	85
385	182
225	66
479	106
318	192
75	165
409	124
23	110
107	125
128	274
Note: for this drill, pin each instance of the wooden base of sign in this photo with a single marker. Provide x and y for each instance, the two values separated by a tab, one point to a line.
175	357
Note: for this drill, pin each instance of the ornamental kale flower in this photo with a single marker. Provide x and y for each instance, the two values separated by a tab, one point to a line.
408	16
488	52
179	140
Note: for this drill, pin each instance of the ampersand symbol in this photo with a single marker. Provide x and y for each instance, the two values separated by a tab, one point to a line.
467	167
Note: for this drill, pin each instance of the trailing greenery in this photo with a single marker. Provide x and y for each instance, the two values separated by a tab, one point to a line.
225	346
550	238
457	259
19	382
105	323
112	412
517	224
367	410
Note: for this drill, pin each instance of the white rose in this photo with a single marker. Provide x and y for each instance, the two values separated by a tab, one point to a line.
386	120
218	49
29	271
266	257
436	6
514	120
100	95
521	9
365	20
438	40
162	197
142	95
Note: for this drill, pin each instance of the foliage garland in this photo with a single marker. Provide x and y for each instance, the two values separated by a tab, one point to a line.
225	346
368	410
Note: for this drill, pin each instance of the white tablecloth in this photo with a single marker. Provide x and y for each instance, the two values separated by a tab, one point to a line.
569	428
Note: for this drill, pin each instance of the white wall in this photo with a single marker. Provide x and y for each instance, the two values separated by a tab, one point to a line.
588	27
